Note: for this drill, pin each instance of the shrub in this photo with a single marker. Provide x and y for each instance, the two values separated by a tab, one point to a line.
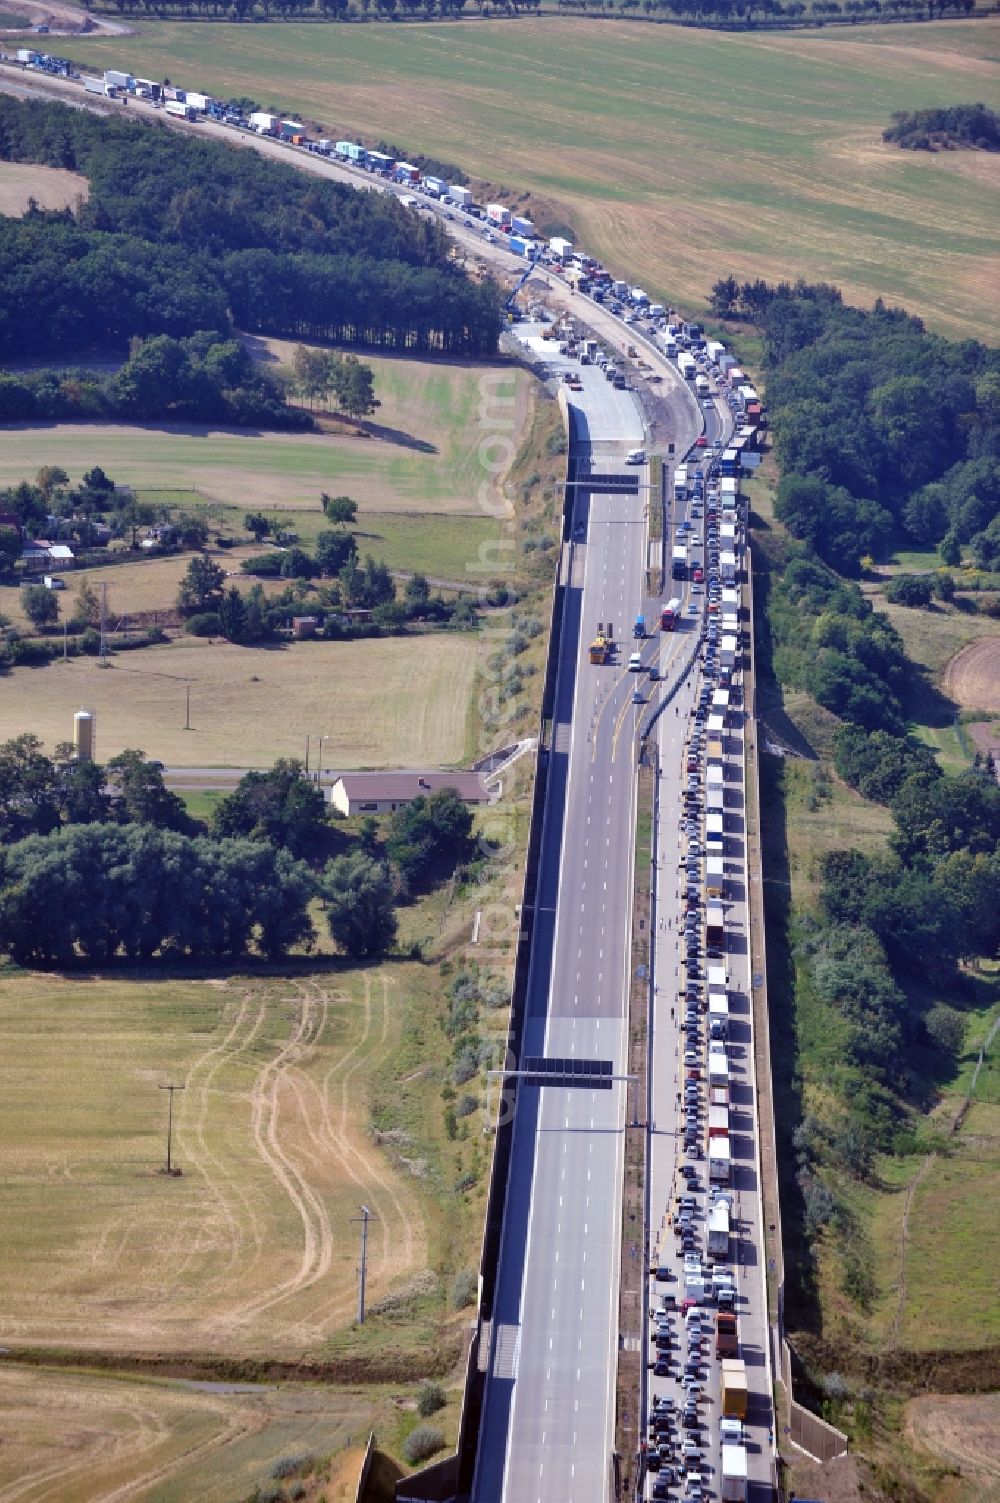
205	624
464	1289
910	589
430	1400
293	1466
422	1443
466	1065
264	565
945	1028
466	1105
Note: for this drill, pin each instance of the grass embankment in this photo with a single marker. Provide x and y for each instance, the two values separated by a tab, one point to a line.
679	155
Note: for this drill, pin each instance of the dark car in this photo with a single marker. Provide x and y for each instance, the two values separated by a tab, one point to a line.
661	1367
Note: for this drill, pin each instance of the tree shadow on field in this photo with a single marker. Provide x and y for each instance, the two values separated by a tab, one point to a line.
925	702
398	437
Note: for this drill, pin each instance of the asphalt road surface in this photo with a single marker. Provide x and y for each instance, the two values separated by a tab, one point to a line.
668	1082
550	1388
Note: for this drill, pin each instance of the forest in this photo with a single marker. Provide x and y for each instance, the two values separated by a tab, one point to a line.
181	236
887	435
969	125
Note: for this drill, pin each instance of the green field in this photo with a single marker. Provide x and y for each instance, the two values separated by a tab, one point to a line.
677	154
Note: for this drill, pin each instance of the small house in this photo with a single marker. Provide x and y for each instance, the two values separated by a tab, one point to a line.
385	792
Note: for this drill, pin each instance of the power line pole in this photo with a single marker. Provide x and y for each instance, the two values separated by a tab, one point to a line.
365	1217
170	1121
103	656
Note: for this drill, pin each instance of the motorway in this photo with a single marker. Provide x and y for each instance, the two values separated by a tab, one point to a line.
549	1402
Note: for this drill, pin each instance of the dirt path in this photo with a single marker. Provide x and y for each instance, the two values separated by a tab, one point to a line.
920	1175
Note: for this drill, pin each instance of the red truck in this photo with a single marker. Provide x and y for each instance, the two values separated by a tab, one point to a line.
726	1338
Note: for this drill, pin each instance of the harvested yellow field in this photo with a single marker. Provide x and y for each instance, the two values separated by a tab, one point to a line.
70	1436
251	1249
400	702
50	187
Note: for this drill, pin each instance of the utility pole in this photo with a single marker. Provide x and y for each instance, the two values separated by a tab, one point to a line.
365	1217
170	1121
103	658
308	739
187	707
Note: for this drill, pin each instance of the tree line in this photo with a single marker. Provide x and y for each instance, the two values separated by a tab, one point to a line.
728	13
104	863
204	378
886	434
970	125
181	236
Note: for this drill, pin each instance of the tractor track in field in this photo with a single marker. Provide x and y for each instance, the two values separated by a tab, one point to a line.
317	1235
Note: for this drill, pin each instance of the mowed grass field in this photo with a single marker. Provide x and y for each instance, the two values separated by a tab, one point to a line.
68	1436
383	702
252	1250
677	155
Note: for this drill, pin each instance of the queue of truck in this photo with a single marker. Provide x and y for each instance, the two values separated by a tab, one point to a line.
691	1454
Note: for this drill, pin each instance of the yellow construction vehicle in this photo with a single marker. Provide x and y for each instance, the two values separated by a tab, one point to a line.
603	644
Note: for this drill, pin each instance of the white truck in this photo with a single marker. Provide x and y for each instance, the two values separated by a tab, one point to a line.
687	366
561	248
718	1064
718	1231
718	1016
719	1160
734	1474
180	111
